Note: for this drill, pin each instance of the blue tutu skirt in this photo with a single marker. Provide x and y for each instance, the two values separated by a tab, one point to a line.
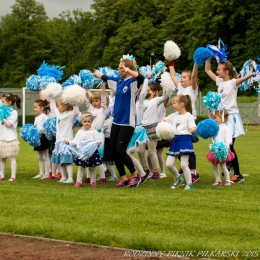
235	124
181	144
92	161
60	158
139	137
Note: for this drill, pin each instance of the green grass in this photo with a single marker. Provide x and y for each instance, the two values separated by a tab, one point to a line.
247	99
150	217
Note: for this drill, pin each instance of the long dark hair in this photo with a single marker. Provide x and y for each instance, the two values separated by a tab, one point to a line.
13	98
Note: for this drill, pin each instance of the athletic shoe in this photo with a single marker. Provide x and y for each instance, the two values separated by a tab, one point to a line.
180	171
155	176
37	176
228	183
113	178
102	181
177	182
189	187
62	180
217	183
107	173
1	178
134	181
51	177
238	178
123	183
98	178
12	179
68	181
163	175
78	184
93	185
194	176
144	178
58	175
86	180
44	177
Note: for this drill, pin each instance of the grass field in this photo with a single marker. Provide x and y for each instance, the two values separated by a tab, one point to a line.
150	217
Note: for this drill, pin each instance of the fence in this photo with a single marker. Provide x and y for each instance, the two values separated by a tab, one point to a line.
249	112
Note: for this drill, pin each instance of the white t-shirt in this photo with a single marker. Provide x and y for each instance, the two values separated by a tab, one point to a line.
161	112
8	133
39	121
181	123
193	95
107	126
228	92
224	135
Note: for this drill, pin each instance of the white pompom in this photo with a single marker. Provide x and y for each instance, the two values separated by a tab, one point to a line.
167	83
165	130
52	91
74	95
171	51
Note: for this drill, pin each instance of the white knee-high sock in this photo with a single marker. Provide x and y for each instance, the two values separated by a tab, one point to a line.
69	170
185	168
170	165
13	166
216	172
3	167
111	169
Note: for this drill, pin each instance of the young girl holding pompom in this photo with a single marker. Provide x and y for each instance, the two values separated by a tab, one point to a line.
9	144
224	135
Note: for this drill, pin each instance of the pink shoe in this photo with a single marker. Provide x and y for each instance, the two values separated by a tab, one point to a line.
1	178
86	180
12	179
216	183
93	185
78	184
228	183
102	181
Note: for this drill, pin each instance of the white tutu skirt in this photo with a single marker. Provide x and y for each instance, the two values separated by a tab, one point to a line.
9	148
235	124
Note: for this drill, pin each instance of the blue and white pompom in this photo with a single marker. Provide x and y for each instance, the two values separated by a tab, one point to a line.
207	128
145	70
171	51
35	82
52	91
74	95
62	148
75	79
167	83
246	69
165	130
50	71
105	71
24	131
77	121
128	57
87	79
219	151
5	111
218	52
202	54
49	127
86	148
158	68
34	136
212	100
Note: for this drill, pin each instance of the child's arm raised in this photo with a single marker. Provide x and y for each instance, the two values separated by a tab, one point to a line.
173	73
209	71
194	78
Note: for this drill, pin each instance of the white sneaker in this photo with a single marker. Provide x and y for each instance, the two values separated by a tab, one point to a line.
38	176
163	175
62	180
44	177
113	178
69	181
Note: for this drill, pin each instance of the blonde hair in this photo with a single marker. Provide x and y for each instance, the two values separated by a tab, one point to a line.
230	68
219	114
131	64
97	95
186	100
68	107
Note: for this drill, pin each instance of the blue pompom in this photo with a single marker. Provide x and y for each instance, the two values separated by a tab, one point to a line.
24	130
5	111
246	69
62	148
49	127
218	52
145	70
86	148
207	128
31	134
158	68
220	151
87	79
77	121
75	79
202	54
50	71
211	100
35	82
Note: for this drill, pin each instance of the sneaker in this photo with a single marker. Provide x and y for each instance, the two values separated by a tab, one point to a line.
62	180
155	176
50	176
217	183
44	177
180	171
144	178
98	178
134	181
107	173
177	182
228	183
238	178
58	175
189	187
123	183
102	181
194	176
38	176
163	175
68	181
113	178
12	179
78	184
149	173
93	185
86	180
1	178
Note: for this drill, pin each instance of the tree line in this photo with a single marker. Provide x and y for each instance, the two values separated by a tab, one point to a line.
88	40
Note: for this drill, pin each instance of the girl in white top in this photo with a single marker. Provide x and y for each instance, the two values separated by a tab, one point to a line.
86	132
40	107
66	115
184	125
228	83
98	106
149	122
9	144
188	86
224	135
